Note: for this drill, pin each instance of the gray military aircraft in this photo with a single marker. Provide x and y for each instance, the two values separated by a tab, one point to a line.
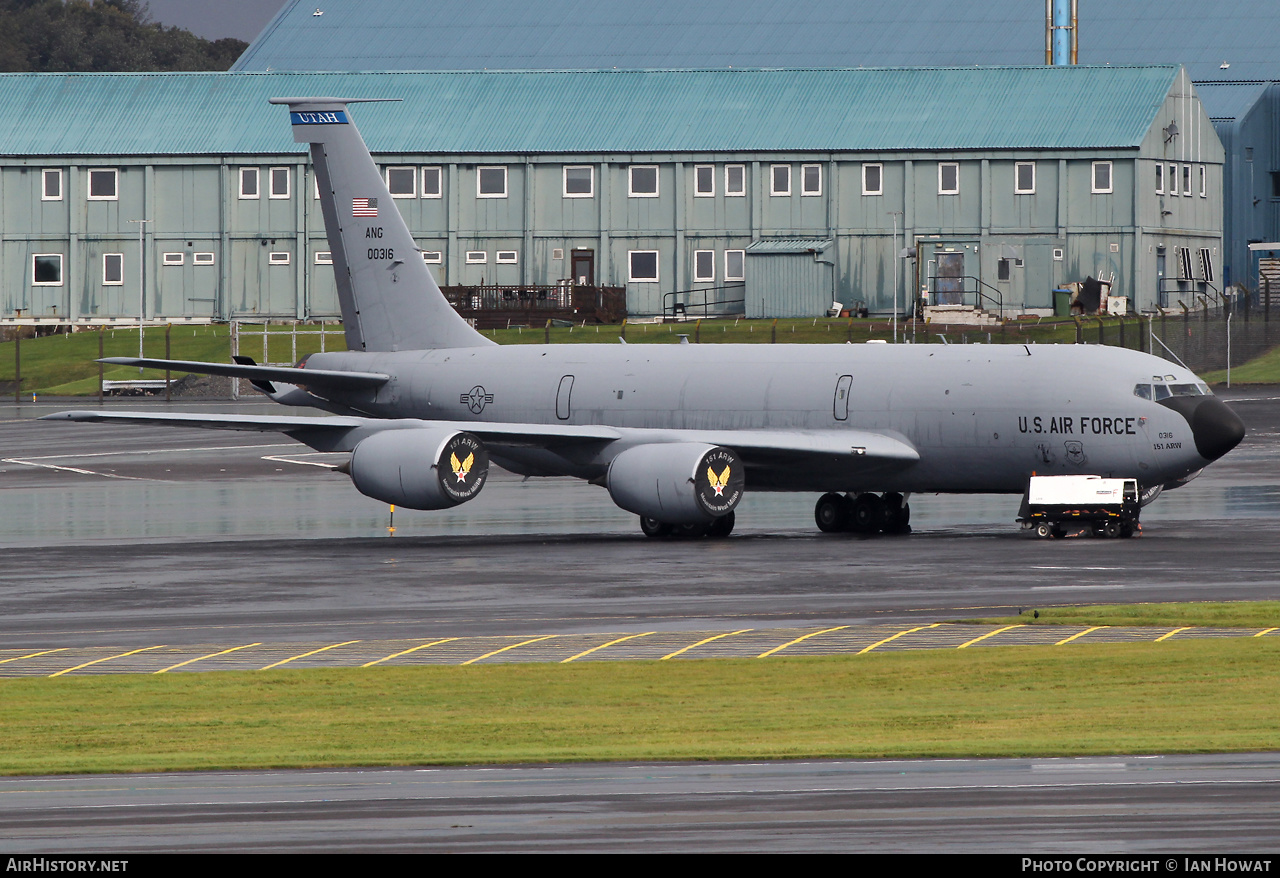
676	433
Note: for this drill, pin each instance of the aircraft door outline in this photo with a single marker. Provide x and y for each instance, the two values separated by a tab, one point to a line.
840	403
563	398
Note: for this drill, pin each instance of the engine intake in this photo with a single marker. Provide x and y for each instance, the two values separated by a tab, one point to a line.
677	483
420	468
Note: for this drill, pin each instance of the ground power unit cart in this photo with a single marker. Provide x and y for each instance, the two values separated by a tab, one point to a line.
1055	504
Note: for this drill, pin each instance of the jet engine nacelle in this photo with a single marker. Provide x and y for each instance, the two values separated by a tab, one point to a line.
678	483
420	468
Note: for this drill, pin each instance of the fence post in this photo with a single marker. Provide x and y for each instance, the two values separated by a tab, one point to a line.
1102	330
235	352
622	329
773	333
1122	339
1266	303
546	331
1079	329
697	332
17	365
168	328
101	367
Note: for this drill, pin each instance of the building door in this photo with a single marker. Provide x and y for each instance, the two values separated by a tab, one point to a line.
583	263
949	283
1161	291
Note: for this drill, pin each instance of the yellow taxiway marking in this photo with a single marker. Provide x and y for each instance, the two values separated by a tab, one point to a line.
798	639
701	642
1081	634
989	634
603	645
107	659
305	654
512	646
1266	631
18	658
210	655
407	651
896	636
1173	632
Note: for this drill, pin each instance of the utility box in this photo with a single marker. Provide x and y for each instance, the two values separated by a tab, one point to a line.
1109	506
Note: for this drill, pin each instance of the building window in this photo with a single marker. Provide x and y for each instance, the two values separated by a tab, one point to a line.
643	266
402	182
477	257
103	184
704	266
948	178
507	257
1173	179
1159	178
735	180
1101	178
249	183
112	269
51	184
1184	263
46	269
1024	178
491	182
432	257
432	182
1186	179
173	258
324	257
642	181
873	179
579	181
278	258
279	182
202	258
810	180
734	261
704	181
1002	269
780	179
1204	182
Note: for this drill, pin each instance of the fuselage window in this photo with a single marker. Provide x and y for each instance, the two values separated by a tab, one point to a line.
1142	390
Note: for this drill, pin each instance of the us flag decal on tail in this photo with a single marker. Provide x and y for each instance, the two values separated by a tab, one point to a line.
364	207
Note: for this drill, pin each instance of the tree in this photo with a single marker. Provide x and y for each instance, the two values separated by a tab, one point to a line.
52	36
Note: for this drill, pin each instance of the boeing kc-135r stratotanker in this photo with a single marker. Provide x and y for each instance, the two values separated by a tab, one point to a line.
676	433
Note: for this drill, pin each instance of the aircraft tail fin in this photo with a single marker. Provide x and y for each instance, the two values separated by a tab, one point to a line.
389	300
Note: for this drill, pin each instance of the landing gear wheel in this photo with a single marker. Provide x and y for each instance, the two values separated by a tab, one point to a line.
691	531
654	528
895	514
721	527
868	512
832	513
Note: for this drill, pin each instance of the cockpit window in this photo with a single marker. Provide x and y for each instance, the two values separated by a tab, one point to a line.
1160	390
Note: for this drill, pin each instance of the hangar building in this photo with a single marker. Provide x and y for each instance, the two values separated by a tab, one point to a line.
1008	181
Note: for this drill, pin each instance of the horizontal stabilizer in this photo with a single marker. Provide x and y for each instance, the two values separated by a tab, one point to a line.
318	378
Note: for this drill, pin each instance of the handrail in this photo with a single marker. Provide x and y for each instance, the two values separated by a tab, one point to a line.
672	308
976	291
1164	288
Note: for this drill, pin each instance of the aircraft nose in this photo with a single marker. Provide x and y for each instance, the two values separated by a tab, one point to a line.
1216	428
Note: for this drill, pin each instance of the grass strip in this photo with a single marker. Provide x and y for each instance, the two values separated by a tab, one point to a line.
1188	697
1223	614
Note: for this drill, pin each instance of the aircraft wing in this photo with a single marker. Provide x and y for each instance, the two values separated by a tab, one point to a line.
319	378
764	448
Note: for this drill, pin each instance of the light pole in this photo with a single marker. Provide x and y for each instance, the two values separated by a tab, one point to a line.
142	294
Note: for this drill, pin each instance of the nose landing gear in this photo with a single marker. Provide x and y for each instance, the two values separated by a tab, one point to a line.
867	513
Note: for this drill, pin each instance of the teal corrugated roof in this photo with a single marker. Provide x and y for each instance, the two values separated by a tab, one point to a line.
1229	100
594	111
1200	35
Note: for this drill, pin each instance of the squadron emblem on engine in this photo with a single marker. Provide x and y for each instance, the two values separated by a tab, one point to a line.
718	482
461	469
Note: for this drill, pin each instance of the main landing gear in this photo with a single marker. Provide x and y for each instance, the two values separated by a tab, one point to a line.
718	529
867	513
